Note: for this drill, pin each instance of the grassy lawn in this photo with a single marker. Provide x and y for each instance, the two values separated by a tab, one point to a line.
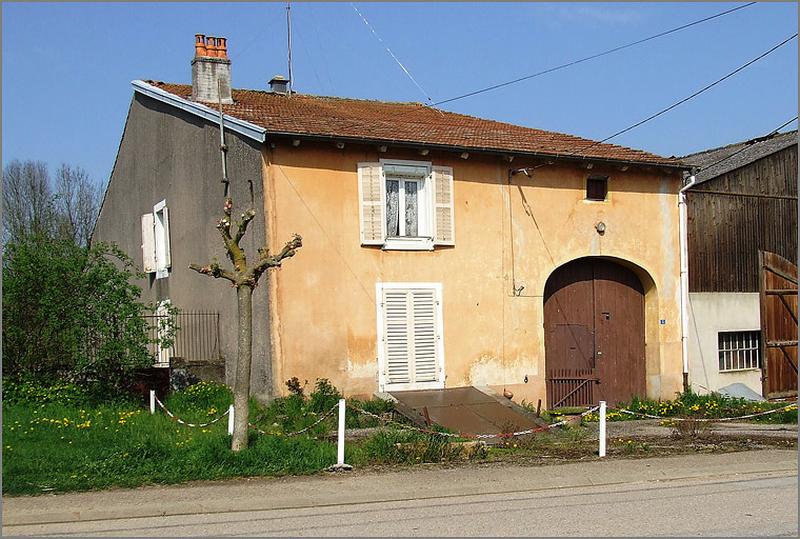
57	447
55	441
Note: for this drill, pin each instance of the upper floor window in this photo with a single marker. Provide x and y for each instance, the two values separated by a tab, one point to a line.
405	205
597	188
156	256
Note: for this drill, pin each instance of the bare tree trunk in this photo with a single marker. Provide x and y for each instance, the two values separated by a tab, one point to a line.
241	386
244	278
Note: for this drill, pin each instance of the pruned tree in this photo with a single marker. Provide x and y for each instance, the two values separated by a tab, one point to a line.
244	277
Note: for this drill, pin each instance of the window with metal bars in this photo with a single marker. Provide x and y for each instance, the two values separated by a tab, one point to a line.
597	188
739	350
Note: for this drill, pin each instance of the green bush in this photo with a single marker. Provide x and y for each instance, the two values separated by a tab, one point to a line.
73	314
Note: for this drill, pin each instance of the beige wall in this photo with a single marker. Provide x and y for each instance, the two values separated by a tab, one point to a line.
710	313
323	301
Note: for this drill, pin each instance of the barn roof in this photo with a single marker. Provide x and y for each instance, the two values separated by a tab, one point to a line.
718	161
405	123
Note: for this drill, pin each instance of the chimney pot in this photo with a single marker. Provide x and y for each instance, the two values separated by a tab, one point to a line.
200	45
222	47
211	46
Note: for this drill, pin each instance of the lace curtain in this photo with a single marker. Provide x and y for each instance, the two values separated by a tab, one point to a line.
392	208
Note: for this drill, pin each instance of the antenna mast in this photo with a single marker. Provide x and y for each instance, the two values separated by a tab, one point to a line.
289	42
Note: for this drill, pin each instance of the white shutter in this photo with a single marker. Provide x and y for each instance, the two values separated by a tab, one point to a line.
397	337
370	201
167	255
444	219
148	244
410	330
424	335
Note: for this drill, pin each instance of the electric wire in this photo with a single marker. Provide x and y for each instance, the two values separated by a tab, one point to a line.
591	57
692	96
558	67
751	143
406	71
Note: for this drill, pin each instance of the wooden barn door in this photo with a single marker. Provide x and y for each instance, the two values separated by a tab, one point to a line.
594	334
778	299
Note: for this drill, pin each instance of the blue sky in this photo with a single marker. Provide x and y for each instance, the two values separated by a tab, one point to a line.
67	68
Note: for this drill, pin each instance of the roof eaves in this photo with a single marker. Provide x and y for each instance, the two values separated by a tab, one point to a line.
242	127
482	149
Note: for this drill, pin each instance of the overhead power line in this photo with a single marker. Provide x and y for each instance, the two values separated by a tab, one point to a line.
592	57
406	71
751	142
695	94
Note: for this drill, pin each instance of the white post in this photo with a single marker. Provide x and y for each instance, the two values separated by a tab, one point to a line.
230	420
152	401
340	465
602	450
684	277
340	449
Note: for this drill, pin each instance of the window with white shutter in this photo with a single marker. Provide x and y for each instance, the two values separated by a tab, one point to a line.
163	258
148	244
443	206
405	205
410	348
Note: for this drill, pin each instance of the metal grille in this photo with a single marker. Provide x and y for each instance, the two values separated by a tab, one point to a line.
197	338
570	387
739	350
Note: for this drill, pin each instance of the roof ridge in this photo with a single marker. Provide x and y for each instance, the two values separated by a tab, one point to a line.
718	148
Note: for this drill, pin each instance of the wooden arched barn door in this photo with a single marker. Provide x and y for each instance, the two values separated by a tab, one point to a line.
594	334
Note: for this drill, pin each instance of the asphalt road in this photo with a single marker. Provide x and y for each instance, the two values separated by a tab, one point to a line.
744	494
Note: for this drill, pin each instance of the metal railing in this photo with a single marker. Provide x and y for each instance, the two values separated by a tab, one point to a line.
196	337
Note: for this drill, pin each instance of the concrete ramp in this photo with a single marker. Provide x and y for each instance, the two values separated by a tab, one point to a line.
468	410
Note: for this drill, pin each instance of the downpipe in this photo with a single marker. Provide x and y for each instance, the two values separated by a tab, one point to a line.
684	278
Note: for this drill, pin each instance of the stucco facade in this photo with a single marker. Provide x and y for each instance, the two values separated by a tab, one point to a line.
507	235
168	154
709	314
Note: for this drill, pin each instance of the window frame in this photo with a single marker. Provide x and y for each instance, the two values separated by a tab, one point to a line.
592	178
725	358
425	208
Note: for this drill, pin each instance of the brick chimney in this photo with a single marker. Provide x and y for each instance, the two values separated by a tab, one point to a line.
210	65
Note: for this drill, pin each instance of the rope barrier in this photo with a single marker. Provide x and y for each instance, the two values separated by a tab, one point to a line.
322	418
182	422
486	436
707	419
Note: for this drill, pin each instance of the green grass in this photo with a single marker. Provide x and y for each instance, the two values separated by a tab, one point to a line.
713	405
61	446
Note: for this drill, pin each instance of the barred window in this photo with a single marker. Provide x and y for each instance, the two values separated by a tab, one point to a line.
739	350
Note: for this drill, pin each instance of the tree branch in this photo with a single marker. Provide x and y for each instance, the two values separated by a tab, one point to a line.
268	261
242	225
214	270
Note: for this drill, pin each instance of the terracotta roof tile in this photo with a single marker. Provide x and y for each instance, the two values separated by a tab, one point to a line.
408	123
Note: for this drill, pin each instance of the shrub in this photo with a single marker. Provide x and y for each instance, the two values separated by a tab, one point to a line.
73	314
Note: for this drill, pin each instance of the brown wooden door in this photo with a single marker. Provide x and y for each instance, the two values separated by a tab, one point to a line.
594	334
778	299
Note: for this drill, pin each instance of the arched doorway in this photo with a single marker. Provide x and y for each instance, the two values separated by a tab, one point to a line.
594	334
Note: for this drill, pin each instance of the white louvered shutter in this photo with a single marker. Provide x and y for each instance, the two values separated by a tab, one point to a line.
167	253
397	336
411	335
424	335
443	206
371	211
148	244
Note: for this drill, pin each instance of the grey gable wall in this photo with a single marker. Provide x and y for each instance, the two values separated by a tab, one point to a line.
168	154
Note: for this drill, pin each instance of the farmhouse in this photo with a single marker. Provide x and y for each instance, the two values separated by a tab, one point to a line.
743	202
439	250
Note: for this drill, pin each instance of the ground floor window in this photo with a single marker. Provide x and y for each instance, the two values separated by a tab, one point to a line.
739	350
